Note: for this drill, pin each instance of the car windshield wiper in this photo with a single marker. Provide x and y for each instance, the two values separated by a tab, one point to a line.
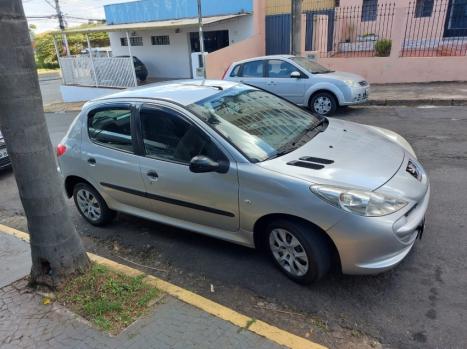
323	72
320	126
323	123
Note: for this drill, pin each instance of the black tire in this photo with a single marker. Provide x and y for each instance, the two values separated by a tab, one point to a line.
328	97
314	244
106	214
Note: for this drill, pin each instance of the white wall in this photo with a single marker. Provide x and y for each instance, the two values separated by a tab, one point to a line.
173	61
240	28
162	61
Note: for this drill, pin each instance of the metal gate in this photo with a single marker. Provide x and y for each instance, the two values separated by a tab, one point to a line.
278	34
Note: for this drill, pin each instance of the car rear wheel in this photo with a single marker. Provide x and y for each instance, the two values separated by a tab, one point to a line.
323	103
91	205
302	253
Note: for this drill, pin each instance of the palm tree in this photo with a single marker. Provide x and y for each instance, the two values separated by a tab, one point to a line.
56	248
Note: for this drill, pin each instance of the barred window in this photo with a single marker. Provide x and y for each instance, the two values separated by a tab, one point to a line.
160	40
136	41
424	8
123	42
369	10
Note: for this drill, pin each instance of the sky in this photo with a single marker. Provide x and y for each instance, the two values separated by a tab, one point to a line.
92	9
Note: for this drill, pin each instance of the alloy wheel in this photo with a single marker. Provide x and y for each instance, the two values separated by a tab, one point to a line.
88	205
288	252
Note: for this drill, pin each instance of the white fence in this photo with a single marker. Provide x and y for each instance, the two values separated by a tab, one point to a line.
99	72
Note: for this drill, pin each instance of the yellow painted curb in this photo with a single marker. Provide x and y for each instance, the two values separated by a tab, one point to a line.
259	327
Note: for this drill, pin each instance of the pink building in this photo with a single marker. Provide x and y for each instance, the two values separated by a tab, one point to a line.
385	41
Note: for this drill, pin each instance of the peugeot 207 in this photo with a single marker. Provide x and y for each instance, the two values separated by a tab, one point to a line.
234	162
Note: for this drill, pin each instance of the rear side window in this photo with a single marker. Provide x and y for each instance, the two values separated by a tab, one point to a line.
235	71
111	128
253	69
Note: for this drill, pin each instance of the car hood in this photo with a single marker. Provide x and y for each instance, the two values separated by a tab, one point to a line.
338	75
345	154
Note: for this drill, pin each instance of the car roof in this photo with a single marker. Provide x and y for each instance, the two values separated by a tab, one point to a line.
265	57
183	92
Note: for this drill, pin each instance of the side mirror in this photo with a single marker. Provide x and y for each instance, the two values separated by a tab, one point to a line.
203	164
296	75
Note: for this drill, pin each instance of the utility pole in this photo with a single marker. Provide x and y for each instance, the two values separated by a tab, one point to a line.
201	38
296	31
61	23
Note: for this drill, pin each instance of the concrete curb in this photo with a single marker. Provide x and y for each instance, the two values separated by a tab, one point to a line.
417	102
259	327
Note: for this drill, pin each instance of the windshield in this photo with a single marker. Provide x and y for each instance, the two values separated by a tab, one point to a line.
257	123
310	66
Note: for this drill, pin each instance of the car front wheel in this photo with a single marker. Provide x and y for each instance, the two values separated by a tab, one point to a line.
301	252
91	205
323	103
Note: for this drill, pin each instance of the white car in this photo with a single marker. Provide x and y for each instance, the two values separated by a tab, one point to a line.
301	81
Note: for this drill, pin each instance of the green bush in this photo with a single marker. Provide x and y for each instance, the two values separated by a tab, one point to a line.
383	47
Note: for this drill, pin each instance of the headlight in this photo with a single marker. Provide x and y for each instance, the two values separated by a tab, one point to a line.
351	83
363	203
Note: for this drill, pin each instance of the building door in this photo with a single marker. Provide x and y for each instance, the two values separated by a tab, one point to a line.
456	19
278	34
213	40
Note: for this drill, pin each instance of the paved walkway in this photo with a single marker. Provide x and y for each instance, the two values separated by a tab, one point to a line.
445	93
15	259
27	323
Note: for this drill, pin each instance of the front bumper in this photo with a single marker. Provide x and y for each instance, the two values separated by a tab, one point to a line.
358	95
371	245
5	163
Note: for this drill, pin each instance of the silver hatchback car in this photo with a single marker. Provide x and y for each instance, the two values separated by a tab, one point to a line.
239	164
301	81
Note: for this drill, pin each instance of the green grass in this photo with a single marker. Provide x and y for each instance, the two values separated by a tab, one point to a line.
109	300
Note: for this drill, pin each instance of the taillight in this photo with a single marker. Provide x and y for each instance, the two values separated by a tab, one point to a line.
61	149
223	76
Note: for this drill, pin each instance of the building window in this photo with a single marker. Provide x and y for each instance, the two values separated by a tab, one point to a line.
424	8
369	10
160	40
134	41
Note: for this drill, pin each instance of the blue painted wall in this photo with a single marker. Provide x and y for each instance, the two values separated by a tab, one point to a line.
159	10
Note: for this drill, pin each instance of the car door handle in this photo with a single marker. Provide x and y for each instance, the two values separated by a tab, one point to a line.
91	161
153	176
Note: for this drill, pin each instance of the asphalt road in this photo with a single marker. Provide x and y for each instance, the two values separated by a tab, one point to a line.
50	88
420	304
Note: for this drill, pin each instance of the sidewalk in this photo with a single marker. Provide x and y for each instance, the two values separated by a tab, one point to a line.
25	322
437	93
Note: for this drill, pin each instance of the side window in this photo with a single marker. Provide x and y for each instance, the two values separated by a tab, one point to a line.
280	69
166	135
235	71
111	127
253	69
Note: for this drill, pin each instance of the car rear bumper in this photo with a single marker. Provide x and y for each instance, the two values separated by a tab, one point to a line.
369	245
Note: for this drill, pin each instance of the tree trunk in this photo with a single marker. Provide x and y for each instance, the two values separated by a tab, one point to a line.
56	248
